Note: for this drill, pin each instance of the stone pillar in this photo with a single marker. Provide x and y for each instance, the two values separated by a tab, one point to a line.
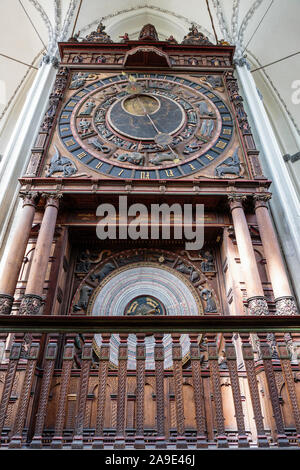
257	304
32	300
285	302
15	256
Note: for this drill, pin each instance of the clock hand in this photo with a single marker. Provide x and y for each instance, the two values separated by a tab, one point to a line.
150	119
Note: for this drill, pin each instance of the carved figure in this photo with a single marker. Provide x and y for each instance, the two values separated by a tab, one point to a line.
84	296
89	106
207	127
59	163
194	276
104	271
161	157
98	145
231	165
84	125
136	158
78	80
203	108
209	264
206	295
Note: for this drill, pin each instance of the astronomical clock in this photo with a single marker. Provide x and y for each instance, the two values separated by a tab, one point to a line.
119	119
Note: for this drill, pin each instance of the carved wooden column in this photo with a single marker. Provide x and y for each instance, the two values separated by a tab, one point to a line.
266	354
86	359
216	388
160	392
262	440
15	257
257	304
32	356
68	357
122	393
285	302
32	300
50	356
236	391
198	392
102	385
140	390
285	360
177	370
15	354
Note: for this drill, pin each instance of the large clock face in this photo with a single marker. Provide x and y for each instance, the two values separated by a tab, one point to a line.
159	127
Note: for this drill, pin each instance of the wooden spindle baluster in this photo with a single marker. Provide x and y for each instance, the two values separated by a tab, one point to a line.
98	442
266	354
16	439
140	391
50	357
236	391
178	383
160	393
68	357
122	393
14	357
262	440
86	359
285	360
216	387
198	392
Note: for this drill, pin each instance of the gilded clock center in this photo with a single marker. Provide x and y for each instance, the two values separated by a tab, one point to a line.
140	105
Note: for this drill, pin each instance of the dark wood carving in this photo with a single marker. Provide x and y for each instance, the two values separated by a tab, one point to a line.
160	394
121	399
102	384
248	356
266	354
236	391
216	389
68	356
177	368
14	357
285	361
140	391
50	357
17	438
198	392
86	359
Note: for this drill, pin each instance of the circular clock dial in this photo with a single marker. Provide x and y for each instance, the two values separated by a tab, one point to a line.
170	128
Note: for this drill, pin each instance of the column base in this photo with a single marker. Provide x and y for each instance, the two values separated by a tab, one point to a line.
77	442
181	442
31	304
57	443
6	303
258	305
119	443
201	442
282	440
15	443
262	441
243	441
160	443
222	442
36	442
98	443
139	442
286	306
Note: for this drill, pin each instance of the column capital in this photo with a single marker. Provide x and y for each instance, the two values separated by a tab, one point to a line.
30	198
236	200
261	199
52	199
258	305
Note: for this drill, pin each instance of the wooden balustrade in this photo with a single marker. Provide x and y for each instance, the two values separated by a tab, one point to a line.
196	399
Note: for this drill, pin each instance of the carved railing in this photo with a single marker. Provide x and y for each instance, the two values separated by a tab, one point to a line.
218	382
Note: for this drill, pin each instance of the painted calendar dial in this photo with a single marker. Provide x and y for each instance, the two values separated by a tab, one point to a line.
170	128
